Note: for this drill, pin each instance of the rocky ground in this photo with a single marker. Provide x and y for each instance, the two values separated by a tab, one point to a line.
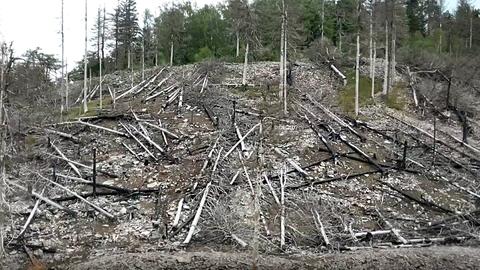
173	176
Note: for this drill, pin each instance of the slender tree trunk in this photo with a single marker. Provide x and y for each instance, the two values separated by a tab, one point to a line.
340	36
282	53
357	62
171	52
374	62
63	56
85	60
143	58
285	67
440	39
385	76
245	65
3	51
89	80
130	66
322	32
116	35
66	85
99	56
128	59
357	74
238	43
393	64
371	39
471	32
282	201
102	51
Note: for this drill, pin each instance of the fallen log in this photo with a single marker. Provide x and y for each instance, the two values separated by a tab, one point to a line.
270	187
291	162
70	163
100	210
163	130
197	215
45	199
131	151
335	118
319	224
420	201
90	183
328	180
64	135
432	137
101	128
242	139
84	166
138	141
30	217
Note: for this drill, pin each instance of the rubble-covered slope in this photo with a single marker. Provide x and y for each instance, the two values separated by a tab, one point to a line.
188	158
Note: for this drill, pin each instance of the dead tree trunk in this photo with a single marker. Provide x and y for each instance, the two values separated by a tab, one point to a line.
171	52
357	62
66	85
63	58
238	43
393	63
371	40
285	61
373	63
85	107
143	58
283	180
322	22
282	52
3	51
385	76
471	32
245	66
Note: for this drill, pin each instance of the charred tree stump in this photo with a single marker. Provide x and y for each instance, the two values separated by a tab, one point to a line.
94	172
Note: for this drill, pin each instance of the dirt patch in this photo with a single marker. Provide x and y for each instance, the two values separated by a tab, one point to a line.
428	258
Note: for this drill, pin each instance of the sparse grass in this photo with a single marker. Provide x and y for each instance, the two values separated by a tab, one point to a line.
396	98
346	97
93	106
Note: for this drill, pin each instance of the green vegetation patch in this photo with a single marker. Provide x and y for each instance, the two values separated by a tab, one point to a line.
346	97
396	98
93	106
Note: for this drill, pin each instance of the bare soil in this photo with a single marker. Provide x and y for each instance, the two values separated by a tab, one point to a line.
424	258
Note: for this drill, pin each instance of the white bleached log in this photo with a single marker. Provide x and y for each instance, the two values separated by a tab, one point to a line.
197	215
138	141
70	163
237	239
178	213
270	187
100	210
235	177
321	228
101	128
164	130
41	197
30	217
241	140
291	162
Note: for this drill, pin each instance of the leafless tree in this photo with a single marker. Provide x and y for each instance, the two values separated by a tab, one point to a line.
85	62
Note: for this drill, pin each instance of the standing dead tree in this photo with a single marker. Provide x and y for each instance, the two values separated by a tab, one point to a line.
6	58
63	62
85	60
357	60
